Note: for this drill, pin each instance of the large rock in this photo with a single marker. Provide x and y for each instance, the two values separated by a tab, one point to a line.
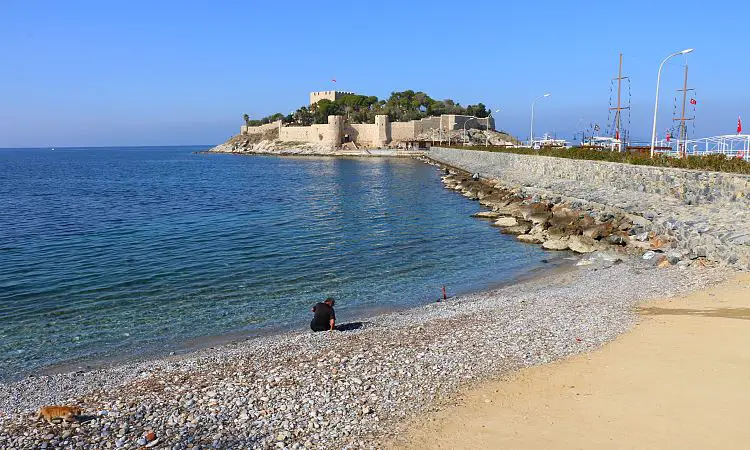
618	238
506	222
530	238
512	209
638	220
521	228
582	244
555	244
539	218
486	215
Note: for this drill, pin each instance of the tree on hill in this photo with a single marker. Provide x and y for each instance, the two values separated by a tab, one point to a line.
400	106
246	118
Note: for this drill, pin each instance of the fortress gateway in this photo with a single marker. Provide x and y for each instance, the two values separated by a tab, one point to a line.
380	134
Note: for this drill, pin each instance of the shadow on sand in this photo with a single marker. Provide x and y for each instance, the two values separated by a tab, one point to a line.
351	326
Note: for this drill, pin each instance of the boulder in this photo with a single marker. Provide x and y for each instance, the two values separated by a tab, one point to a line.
582	244
506	222
664	263
617	239
598	231
555	244
530	238
675	256
486	214
539	218
512	209
638	220
556	233
661	242
521	228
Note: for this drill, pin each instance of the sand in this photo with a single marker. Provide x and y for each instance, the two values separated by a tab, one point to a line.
679	379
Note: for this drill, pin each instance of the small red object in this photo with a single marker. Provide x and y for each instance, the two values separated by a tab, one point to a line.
739	125
693	101
445	296
579	340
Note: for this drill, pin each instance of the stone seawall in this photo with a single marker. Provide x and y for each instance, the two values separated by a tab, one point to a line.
705	213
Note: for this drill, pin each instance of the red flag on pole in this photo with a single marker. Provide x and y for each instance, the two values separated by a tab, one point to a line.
669	136
739	125
693	101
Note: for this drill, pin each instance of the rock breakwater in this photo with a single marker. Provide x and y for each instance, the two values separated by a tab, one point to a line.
564	224
679	215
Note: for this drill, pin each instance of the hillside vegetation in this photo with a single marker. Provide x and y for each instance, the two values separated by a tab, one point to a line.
399	107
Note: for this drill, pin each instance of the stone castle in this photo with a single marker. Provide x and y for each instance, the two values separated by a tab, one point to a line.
382	133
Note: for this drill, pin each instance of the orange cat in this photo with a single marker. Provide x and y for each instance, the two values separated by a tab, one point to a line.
66	413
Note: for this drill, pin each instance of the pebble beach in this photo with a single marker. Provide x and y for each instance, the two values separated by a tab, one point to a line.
351	389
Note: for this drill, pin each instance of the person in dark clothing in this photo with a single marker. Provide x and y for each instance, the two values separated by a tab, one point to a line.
325	317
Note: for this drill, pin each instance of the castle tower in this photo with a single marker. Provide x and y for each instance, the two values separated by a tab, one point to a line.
383	128
335	131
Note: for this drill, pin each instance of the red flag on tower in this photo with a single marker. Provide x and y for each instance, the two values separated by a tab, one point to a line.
739	125
669	136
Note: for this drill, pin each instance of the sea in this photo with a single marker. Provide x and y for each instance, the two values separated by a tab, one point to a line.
113	253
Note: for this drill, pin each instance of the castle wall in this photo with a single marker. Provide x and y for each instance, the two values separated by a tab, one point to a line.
378	134
362	133
457	121
329	134
314	134
403	131
244	129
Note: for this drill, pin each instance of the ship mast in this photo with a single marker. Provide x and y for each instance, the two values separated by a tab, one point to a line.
619	108
681	145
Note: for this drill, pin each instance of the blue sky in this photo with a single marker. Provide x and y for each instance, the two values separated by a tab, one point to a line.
99	73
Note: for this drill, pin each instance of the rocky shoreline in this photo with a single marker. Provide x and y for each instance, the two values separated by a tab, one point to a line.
562	223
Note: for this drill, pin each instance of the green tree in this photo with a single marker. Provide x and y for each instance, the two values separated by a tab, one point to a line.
246	118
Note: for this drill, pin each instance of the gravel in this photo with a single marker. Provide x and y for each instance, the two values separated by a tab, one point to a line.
342	389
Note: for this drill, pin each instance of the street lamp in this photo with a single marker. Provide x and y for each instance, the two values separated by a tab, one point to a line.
531	136
466	136
656	103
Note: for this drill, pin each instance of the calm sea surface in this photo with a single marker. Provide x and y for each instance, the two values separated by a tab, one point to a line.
114	251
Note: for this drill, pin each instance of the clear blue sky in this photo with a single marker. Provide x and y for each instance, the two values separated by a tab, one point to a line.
166	72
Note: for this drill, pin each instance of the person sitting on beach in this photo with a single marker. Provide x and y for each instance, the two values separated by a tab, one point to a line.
325	317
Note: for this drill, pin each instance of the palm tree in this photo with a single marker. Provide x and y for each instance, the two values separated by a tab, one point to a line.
247	119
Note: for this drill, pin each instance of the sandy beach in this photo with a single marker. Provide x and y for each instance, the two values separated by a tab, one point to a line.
347	389
679	379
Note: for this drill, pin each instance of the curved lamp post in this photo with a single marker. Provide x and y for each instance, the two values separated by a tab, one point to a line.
466	136
656	103
531	135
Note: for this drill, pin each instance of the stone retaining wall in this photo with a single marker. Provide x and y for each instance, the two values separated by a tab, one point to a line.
707	213
692	187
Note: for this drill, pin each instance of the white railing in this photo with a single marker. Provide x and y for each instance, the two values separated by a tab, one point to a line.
732	145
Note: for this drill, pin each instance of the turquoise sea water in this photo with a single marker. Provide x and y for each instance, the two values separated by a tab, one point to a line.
113	251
